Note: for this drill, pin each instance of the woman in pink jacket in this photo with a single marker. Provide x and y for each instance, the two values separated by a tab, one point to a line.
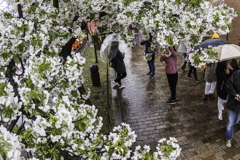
171	71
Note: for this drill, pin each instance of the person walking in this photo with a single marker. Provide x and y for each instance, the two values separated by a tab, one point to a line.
171	72
223	71
192	68
151	53
184	61
134	29
210	76
119	67
211	80
233	105
183	50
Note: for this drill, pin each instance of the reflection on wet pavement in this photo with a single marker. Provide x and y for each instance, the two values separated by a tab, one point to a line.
191	120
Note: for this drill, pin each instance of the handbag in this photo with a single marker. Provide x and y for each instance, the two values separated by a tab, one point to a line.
148	56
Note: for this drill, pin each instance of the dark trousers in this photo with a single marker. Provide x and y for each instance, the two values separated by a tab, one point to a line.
172	81
151	66
194	72
119	77
184	62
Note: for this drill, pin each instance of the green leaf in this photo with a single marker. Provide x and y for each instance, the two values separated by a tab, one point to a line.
82	126
230	27
16	58
169	39
21	47
201	29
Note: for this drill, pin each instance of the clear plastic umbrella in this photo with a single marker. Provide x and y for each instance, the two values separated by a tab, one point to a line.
111	45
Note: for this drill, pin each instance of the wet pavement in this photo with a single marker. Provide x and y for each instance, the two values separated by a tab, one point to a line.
193	121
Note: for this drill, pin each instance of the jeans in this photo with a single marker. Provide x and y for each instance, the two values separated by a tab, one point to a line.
172	81
151	66
233	118
119	77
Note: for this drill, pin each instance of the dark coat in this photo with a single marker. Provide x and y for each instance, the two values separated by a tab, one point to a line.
222	77
147	43
120	68
233	88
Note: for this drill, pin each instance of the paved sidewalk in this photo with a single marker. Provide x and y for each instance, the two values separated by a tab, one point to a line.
191	120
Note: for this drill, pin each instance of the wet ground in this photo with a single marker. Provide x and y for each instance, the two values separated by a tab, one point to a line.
193	121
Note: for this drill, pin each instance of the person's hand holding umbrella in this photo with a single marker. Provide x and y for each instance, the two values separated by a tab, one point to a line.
237	97
229	67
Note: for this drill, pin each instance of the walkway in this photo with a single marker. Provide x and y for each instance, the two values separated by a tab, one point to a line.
191	120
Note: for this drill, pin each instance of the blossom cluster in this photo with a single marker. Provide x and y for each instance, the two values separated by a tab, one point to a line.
201	57
172	21
40	86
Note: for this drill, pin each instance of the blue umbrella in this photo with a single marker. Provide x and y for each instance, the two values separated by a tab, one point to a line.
211	42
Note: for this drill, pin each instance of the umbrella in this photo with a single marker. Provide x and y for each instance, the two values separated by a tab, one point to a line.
211	42
182	48
111	45
114	47
227	52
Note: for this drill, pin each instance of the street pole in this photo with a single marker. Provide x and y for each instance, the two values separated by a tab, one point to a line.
95	48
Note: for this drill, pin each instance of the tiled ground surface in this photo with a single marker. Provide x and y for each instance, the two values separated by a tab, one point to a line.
191	120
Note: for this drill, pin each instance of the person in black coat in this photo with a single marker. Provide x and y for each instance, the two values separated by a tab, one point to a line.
223	71
233	105
119	68
148	50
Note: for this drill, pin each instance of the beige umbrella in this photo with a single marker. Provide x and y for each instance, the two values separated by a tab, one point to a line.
227	52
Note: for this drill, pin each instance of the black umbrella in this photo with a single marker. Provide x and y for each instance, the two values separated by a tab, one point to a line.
211	42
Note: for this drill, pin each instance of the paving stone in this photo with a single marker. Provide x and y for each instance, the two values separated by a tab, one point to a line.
192	121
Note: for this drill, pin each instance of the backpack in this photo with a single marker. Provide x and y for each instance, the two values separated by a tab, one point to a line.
113	63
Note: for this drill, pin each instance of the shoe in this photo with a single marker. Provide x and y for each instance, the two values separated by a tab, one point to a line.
228	144
116	83
152	76
122	87
170	101
175	98
189	77
205	97
149	73
212	96
197	81
220	116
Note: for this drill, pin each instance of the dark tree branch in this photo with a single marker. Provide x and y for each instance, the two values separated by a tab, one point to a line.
20	129
20	13
55	3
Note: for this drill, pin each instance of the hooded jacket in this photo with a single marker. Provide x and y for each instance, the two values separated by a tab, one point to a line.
120	68
222	77
233	88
